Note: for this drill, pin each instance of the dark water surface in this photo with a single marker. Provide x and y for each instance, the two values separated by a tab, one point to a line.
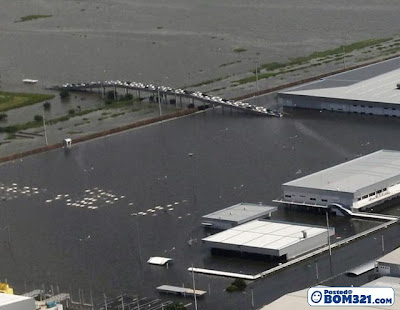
235	158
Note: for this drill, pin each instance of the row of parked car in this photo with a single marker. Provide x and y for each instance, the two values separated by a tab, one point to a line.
166	89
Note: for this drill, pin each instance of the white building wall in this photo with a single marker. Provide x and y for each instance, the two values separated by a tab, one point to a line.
315	196
28	304
376	108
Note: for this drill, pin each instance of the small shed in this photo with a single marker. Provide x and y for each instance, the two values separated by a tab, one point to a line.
67	143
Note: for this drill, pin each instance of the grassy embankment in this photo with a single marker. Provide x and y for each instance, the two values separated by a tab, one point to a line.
314	59
31	17
9	101
134	105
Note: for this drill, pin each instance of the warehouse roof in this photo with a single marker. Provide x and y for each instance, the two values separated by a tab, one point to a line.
240	212
375	83
355	174
266	234
391	258
8	299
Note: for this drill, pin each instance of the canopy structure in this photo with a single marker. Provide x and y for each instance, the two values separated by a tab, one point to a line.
160	261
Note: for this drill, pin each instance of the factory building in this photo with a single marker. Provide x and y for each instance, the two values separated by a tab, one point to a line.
16	302
373	89
272	238
236	215
355	185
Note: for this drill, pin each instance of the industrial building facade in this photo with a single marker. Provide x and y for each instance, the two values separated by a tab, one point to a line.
360	183
272	238
367	90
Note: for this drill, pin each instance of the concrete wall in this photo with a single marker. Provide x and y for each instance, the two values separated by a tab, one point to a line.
316	196
339	105
306	245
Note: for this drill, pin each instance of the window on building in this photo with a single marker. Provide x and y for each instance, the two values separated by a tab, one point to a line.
371	194
324	200
288	196
364	197
359	198
312	199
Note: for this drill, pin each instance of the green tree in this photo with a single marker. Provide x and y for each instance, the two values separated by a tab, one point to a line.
38	118
64	93
47	105
110	95
175	307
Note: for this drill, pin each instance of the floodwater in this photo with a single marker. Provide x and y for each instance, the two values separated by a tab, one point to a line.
60	235
176	42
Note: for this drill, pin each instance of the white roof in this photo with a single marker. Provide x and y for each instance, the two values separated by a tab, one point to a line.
7	299
240	212
380	88
265	234
156	260
355	174
391	258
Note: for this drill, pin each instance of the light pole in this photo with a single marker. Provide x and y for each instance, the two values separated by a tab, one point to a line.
191	155
328	235
138	236
159	99
194	289
44	128
84	241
